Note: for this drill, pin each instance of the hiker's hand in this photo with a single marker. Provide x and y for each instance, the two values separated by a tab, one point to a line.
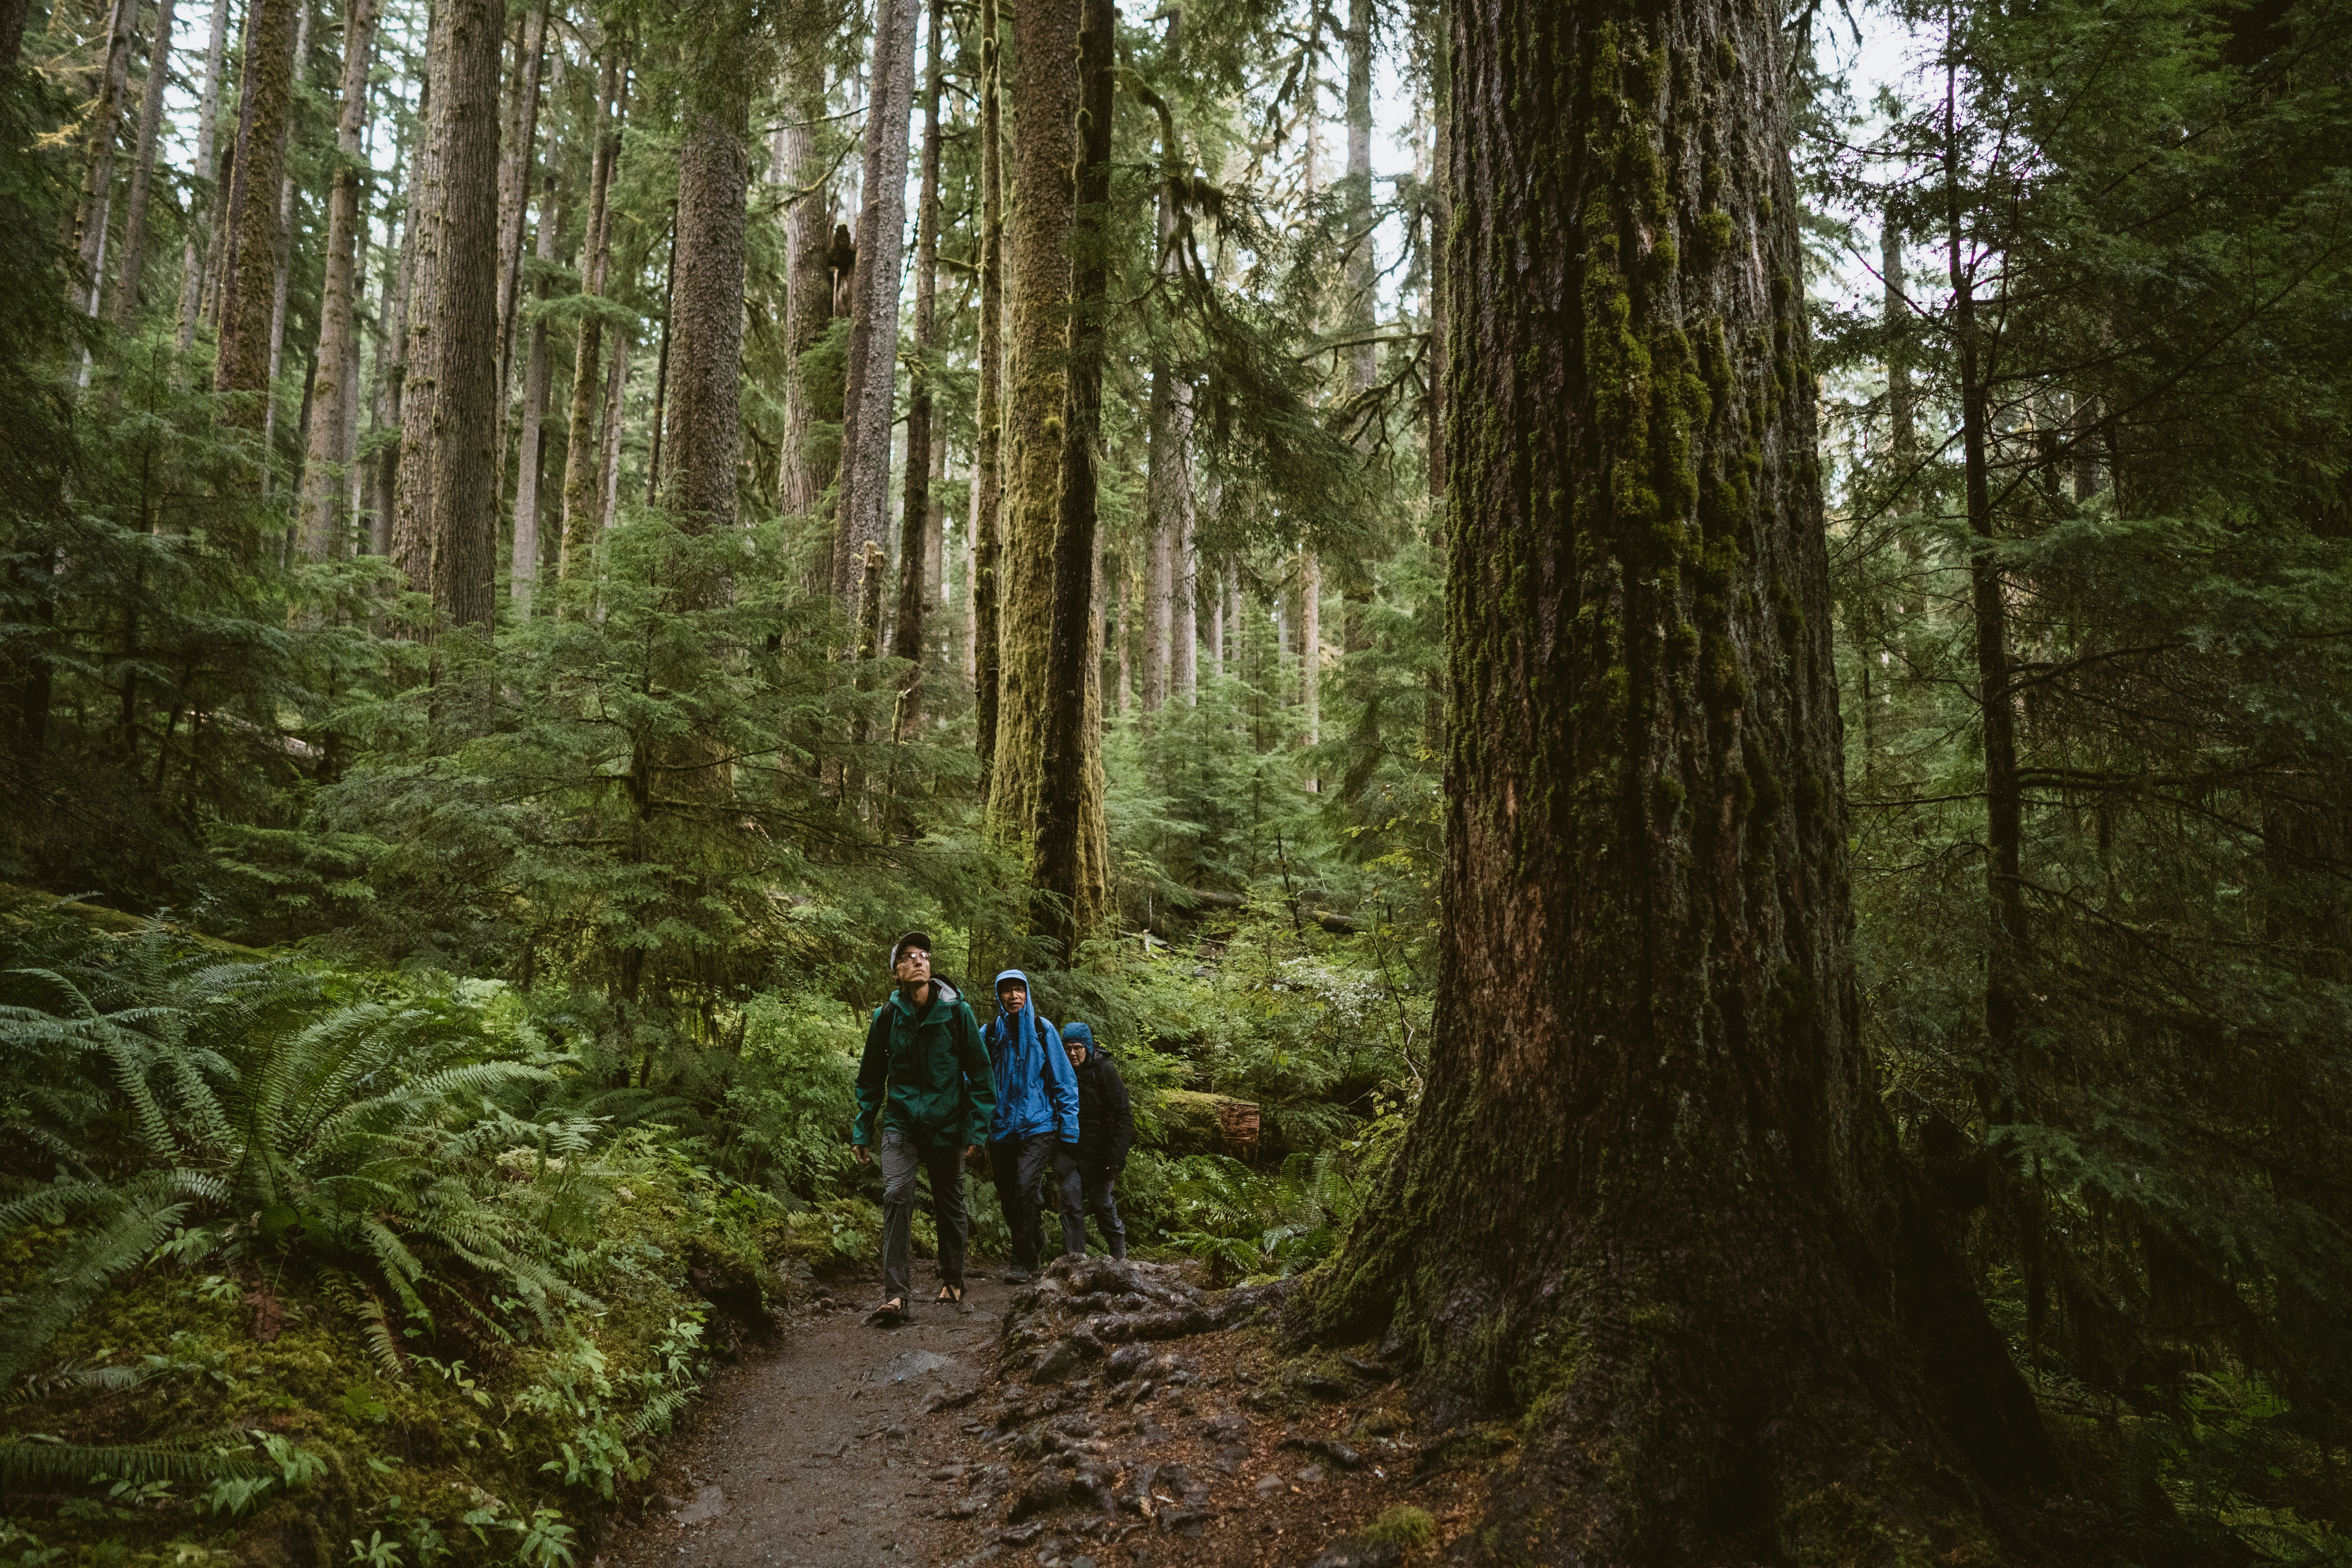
857	1151
972	1151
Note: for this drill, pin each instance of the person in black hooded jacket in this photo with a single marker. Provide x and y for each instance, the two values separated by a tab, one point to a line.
1086	1170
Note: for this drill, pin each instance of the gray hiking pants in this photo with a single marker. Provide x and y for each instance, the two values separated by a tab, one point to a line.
1086	1189
902	1159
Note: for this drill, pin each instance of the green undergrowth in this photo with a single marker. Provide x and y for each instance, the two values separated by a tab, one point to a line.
301	1266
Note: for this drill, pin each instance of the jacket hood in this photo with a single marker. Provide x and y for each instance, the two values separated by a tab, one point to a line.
1005	975
1081	1034
941	991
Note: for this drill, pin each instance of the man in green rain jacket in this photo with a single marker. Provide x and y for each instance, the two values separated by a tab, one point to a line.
926	1072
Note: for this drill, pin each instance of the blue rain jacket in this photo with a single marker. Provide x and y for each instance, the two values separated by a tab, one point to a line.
1037	1092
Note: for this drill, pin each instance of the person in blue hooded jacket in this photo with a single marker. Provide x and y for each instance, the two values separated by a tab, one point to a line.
1036	1114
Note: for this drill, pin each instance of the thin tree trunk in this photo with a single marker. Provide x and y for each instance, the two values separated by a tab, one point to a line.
1126	686
412	548
249	272
194	256
514	188
1070	863
13	13
864	513
1158	526
661	366
325	530
1169	493
104	126
808	244
915	509
608	458
282	274
1651	1211
1184	628
462	457
538	378
1441	224
387	501
704	338
988	437
1901	400
1310	650
583	509
1361	359
133	263
2005	948
1045	150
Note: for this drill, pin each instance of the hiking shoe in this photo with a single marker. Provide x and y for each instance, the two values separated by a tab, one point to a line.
1019	1277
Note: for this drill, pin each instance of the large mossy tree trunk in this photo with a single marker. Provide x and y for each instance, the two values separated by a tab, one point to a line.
1069	860
1650	1205
1044	148
988	439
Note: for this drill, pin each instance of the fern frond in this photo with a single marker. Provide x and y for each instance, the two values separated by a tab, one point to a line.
656	1414
78	1465
80	1279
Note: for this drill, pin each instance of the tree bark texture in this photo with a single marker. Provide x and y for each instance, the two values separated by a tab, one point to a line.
133	264
988	438
193	255
1650	1204
1069	862
412	531
577	553
324	526
915	509
808	243
248	281
704	434
863	515
461	466
1045	150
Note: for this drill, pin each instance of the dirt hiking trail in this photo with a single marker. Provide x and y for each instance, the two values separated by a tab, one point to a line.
1112	1414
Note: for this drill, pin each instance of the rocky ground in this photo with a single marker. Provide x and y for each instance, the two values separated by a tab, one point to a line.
1114	1413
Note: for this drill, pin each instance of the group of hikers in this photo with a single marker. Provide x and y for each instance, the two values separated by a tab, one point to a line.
934	1088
